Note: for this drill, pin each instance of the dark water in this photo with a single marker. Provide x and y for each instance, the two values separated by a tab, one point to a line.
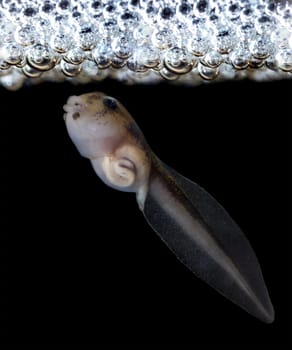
78	261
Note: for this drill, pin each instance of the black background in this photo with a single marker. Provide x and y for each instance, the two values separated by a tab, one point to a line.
79	262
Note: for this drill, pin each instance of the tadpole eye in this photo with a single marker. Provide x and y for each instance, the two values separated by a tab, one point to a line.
110	103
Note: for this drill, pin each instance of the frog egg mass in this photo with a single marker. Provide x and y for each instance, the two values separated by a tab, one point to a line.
144	41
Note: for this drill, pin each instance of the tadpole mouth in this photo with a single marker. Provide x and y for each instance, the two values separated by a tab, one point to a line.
67	108
72	103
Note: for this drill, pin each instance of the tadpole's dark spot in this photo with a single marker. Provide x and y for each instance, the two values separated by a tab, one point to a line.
150	9
76	14
272	7
233	8
85	30
264	19
64	4
247	11
185	8
96	4
76	115
134	2
110	103
167	13
126	15
29	12
110	8
47	8
202	5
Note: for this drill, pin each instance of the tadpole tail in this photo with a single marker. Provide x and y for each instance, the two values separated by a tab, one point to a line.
203	236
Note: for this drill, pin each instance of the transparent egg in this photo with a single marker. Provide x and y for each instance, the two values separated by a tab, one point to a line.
109	10
240	58
128	20
143	33
123	46
70	70
284	60
224	39
4	65
26	35
41	57
246	31
212	59
87	36
163	38
184	9
178	60
74	56
47	8
247	14
61	41
118	62
264	24
261	47
233	10
208	73
103	54
168	75
29	12
64	7
280	37
7	31
109	28
135	65
256	63
202	8
90	68
13	53
165	14
150	56
31	72
95	7
12	10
